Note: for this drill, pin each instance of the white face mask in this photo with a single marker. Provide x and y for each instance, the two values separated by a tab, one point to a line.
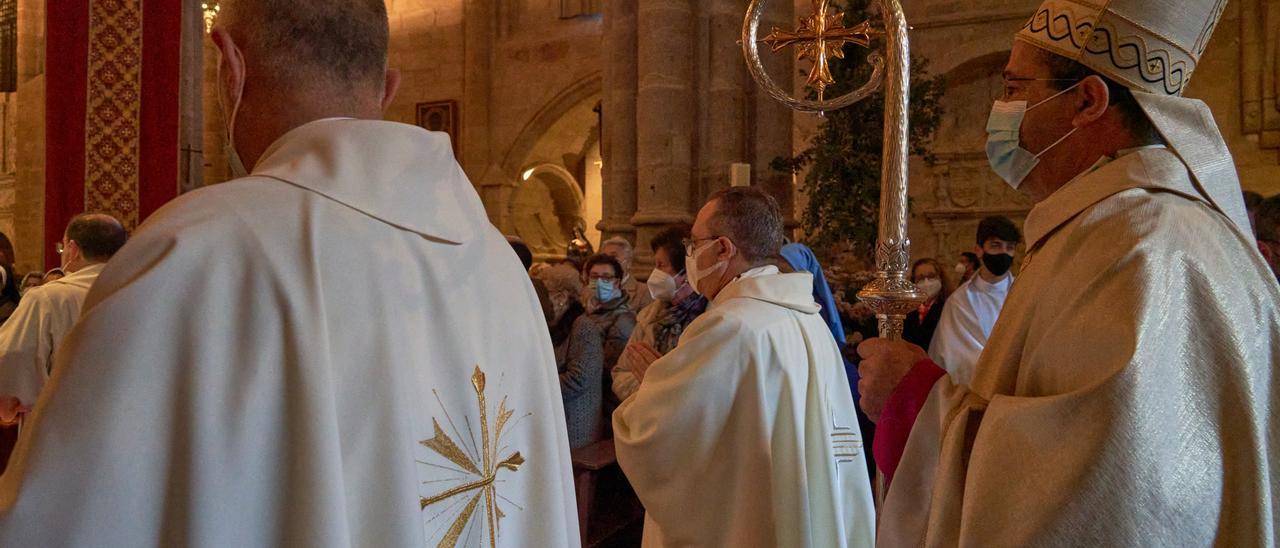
961	269
930	287
229	144
662	286
1004	140
696	275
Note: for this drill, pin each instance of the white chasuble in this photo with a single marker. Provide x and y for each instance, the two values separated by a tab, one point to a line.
338	350
1126	396
745	434
30	336
967	319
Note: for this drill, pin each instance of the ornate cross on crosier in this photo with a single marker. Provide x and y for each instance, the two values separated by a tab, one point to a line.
820	38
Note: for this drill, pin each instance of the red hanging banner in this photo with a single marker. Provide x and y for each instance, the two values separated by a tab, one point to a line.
112	110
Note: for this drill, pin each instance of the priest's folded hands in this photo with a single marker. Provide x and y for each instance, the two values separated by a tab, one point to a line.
884	364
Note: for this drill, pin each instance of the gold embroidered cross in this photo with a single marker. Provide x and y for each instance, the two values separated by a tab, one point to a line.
820	38
486	472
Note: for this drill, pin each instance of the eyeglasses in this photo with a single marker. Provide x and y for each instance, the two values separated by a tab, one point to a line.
1007	81
1018	79
691	243
594	276
58	248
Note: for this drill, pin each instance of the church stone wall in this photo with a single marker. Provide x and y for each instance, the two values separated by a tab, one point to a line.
519	68
27	204
427	48
967	43
514	68
1218	82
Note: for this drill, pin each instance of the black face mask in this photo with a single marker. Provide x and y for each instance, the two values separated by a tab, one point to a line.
997	264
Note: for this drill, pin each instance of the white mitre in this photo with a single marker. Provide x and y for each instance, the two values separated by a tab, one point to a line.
1152	47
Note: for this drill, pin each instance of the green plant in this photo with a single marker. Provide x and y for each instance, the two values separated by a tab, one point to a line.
842	182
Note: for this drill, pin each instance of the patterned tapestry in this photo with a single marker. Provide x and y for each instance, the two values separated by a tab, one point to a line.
112	110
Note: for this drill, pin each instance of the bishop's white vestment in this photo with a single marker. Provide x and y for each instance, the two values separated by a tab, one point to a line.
1127	394
745	434
305	357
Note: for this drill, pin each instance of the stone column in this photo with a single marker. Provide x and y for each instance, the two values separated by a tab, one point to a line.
772	121
214	161
191	134
28	237
478	38
618	132
666	119
480	31
724	139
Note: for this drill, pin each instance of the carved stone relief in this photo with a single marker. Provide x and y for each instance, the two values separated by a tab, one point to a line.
965	191
956	189
1260	69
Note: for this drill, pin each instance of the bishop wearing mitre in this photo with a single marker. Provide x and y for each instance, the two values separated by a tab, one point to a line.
1127	395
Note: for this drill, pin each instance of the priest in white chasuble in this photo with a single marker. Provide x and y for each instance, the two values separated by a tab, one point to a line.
1127	395
305	356
745	434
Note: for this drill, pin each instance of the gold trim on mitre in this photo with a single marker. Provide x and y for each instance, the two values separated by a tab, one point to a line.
1147	45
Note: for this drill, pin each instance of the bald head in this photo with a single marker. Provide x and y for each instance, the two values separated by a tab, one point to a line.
97	235
310	42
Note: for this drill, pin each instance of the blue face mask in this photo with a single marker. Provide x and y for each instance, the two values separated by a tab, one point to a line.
604	290
1004	140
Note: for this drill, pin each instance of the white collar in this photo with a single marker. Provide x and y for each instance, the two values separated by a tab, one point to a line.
984	285
1119	154
85	272
766	270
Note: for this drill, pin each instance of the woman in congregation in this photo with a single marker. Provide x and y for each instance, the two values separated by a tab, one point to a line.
659	325
920	324
579	348
607	306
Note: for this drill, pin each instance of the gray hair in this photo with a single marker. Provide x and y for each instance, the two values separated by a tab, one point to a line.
342	41
561	277
620	242
751	219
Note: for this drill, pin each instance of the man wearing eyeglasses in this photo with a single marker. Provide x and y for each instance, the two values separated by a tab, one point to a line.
1127	394
745	434
47	313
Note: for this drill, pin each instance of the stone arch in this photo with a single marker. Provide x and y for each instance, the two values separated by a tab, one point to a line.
551	170
555	109
971	86
545	209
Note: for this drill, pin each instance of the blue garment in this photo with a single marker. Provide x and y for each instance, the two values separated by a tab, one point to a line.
801	258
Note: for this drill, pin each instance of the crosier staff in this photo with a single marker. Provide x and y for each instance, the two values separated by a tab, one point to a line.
820	38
